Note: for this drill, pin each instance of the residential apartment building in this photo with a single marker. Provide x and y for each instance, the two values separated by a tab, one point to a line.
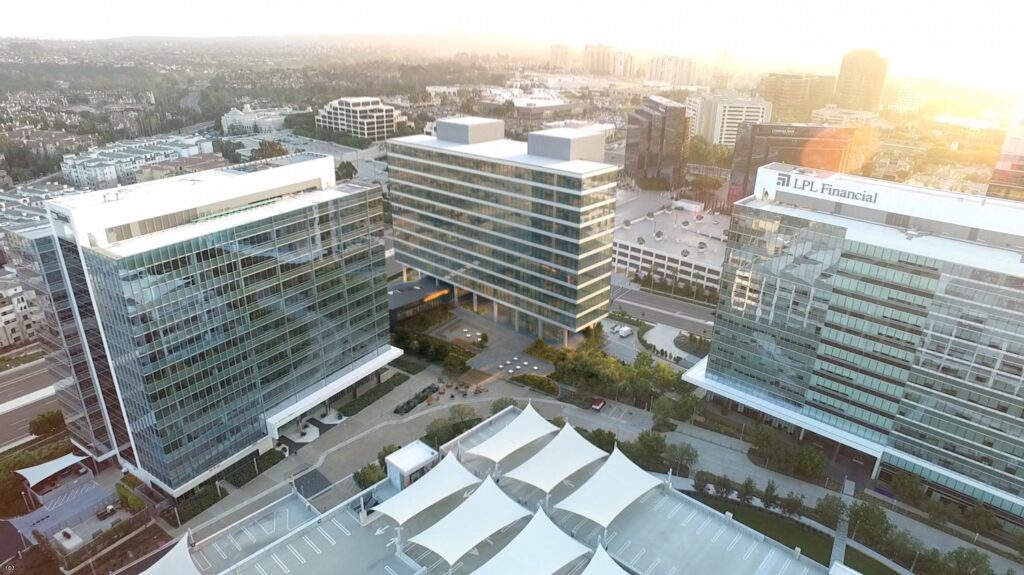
363	117
622	65
559	57
527	225
657	139
117	163
26	202
720	116
597	59
834	149
20	314
861	81
47	142
249	121
219	307
180	167
672	70
1008	176
881	317
795	96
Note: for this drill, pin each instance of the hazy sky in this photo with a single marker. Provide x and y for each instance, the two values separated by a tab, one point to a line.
976	42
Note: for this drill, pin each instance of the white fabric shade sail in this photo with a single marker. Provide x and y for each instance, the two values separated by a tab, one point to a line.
603	564
446	478
527	427
540	548
612	488
564	455
477	518
41	472
177	561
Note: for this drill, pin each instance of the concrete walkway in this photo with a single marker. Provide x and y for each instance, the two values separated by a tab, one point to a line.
350	445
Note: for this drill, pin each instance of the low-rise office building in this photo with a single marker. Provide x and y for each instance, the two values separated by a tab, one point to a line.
719	116
117	163
527	225
237	122
362	117
180	167
885	318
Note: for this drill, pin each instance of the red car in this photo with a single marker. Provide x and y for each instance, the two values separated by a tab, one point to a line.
598	404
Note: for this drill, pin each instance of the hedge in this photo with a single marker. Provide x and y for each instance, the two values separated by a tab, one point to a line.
200	501
363	401
131	481
407	406
129	499
247	472
538	382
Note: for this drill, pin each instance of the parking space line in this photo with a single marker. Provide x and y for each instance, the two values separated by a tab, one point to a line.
264	527
671	571
610	539
647	496
718	534
574	529
296	554
280	563
653	565
785	565
675	510
624	547
735	540
234	541
208	564
703	526
638	556
248	534
340	526
766	561
260	569
311	544
389	570
220	552
688	518
326	536
749	551
660	503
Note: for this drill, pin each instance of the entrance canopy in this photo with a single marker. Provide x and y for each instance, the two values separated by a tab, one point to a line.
603	564
485	512
564	455
177	561
36	474
446	478
541	547
528	427
615	485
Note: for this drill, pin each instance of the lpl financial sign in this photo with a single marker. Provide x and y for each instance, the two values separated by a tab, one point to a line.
815	187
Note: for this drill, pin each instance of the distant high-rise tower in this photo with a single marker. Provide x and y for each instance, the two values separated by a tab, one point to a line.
597	59
559	58
1008	177
622	65
672	70
657	138
795	96
861	81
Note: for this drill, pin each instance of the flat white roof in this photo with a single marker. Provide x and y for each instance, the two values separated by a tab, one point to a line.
509	152
412	456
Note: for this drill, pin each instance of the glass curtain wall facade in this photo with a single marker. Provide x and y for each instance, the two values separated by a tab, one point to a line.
538	241
657	141
211	334
922	356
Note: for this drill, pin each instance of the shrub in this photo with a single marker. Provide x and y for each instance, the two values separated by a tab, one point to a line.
369	475
131	481
602	438
384	452
701	480
538	382
246	472
200	500
502	403
360	403
747	491
417	399
46	423
129	499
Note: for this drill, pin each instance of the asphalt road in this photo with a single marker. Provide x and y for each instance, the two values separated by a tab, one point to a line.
14	425
15	383
691	317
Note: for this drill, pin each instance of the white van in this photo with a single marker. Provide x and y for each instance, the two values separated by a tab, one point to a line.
625	331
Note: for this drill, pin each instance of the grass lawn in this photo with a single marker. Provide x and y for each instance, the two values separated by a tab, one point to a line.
790	533
410	365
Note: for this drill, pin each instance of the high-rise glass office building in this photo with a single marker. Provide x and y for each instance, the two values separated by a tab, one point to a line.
224	305
1008	176
657	141
527	225
884	317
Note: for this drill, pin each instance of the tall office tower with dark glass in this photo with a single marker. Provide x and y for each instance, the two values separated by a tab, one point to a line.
861	81
835	149
526	225
657	139
222	306
882	317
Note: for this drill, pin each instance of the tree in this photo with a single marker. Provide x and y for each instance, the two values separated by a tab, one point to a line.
453	364
345	171
369	475
932	562
603	439
682	455
907	487
981	519
229	151
792	504
701	480
747	491
969	560
46	423
830	509
870	522
501	403
940	512
648	450
460	414
762	437
770	496
483	340
384	452
723	486
810	462
268	149
902	546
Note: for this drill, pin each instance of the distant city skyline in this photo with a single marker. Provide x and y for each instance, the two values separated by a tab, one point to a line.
916	36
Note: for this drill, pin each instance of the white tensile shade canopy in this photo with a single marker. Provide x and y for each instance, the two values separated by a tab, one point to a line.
177	561
485	512
541	547
616	484
446	478
41	472
528	427
564	455
603	564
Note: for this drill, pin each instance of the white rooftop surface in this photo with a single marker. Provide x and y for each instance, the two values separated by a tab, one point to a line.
177	561
541	548
412	456
486	511
528	427
41	472
678	237
615	485
509	152
564	455
603	564
446	478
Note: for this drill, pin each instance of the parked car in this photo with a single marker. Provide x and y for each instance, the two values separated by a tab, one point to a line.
625	331
598	404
